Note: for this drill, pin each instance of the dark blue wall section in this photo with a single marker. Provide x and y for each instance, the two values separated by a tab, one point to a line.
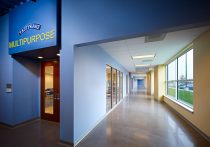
93	20
140	83
26	95
6	99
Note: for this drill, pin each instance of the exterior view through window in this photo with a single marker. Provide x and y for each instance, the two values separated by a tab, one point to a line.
114	82
180	79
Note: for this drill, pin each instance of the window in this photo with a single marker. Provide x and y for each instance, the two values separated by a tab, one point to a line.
180	79
114	89
171	88
121	85
108	88
118	86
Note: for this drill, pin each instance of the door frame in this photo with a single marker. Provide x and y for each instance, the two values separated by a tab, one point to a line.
56	85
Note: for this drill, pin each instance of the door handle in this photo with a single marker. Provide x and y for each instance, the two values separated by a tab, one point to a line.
56	97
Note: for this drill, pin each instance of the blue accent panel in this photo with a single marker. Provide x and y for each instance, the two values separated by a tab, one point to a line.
6	99
23	103
43	12
140	83
90	87
26	96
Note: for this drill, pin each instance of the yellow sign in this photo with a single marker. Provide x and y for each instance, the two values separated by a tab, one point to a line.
32	39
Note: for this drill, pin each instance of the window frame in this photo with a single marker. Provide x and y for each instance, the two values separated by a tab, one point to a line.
116	90
177	98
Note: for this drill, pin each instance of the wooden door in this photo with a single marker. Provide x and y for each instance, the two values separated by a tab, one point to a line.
50	90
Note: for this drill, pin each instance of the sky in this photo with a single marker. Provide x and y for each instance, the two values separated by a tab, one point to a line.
172	67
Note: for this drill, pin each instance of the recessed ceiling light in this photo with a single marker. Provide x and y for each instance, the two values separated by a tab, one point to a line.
58	54
141	65
40	57
143	56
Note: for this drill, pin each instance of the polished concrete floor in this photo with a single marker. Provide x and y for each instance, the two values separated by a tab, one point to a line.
37	133
139	121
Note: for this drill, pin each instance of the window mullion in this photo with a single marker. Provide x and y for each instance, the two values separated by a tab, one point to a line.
177	78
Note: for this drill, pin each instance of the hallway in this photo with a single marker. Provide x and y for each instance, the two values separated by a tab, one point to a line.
141	121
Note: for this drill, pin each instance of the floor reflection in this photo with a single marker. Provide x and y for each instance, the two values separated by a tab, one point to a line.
140	121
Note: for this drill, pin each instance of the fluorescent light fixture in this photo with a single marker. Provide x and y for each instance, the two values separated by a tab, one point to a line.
58	54
141	65
40	57
143	56
150	69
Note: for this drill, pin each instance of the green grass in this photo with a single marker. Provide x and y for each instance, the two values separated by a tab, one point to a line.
186	96
183	95
172	92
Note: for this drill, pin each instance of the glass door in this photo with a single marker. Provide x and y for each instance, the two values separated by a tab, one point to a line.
118	86
114	87
108	88
121	85
50	90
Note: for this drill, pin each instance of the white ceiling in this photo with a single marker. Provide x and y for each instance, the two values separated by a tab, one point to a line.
122	50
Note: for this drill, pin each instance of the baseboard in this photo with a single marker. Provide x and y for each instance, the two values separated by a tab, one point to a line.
188	122
66	143
5	125
96	124
20	124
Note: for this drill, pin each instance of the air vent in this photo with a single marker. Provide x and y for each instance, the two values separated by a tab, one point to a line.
155	37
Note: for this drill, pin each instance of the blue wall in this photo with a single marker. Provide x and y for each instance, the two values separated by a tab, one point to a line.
6	99
42	12
23	103
87	21
90	87
26	95
140	83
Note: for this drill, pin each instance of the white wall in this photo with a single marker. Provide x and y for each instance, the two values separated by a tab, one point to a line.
90	87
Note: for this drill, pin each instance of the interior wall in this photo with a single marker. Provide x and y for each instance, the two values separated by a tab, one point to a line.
130	83
145	82
90	87
159	82
6	99
140	84
200	117
87	21
156	82
152	83
134	84
26	95
23	103
149	83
